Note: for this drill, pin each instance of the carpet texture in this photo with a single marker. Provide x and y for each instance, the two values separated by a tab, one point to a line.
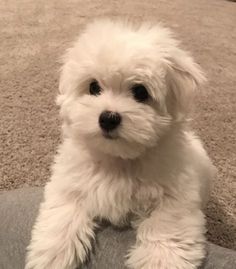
34	34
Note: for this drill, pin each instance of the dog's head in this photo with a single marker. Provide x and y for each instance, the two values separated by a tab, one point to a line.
122	87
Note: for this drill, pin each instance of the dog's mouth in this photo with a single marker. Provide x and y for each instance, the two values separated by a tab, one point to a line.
108	135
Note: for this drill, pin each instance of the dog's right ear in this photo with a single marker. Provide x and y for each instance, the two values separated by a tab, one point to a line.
65	95
68	79
183	77
62	87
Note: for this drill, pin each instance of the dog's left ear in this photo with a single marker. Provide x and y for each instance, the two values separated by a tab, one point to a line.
183	76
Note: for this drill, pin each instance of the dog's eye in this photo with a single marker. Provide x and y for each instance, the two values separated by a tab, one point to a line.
140	93
94	88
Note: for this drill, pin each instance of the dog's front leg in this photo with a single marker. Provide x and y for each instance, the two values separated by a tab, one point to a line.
61	235
171	238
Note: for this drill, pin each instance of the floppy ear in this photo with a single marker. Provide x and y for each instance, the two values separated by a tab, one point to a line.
183	76
68	80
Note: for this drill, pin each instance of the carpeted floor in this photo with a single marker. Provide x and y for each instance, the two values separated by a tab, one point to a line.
35	33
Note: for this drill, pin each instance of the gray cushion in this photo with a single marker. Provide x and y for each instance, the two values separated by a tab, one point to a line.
18	210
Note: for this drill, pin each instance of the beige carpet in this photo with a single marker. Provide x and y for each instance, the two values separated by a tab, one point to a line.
35	33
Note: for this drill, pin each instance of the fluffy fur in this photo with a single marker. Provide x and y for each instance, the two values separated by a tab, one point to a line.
153	173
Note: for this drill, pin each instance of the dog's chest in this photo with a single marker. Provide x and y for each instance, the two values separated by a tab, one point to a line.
120	196
145	198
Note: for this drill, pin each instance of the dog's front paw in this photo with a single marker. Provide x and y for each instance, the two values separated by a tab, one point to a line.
58	256
61	237
163	256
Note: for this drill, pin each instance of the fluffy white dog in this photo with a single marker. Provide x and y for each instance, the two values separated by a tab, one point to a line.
127	154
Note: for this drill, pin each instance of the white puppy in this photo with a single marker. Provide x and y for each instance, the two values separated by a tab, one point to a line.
127	154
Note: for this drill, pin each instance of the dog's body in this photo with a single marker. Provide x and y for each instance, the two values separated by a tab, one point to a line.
127	155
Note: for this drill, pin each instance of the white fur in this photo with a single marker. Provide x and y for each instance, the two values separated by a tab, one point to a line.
154	168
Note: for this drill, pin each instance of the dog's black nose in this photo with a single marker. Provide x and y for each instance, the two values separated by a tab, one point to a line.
109	120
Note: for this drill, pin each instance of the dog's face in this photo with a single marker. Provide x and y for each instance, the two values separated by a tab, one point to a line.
122	87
